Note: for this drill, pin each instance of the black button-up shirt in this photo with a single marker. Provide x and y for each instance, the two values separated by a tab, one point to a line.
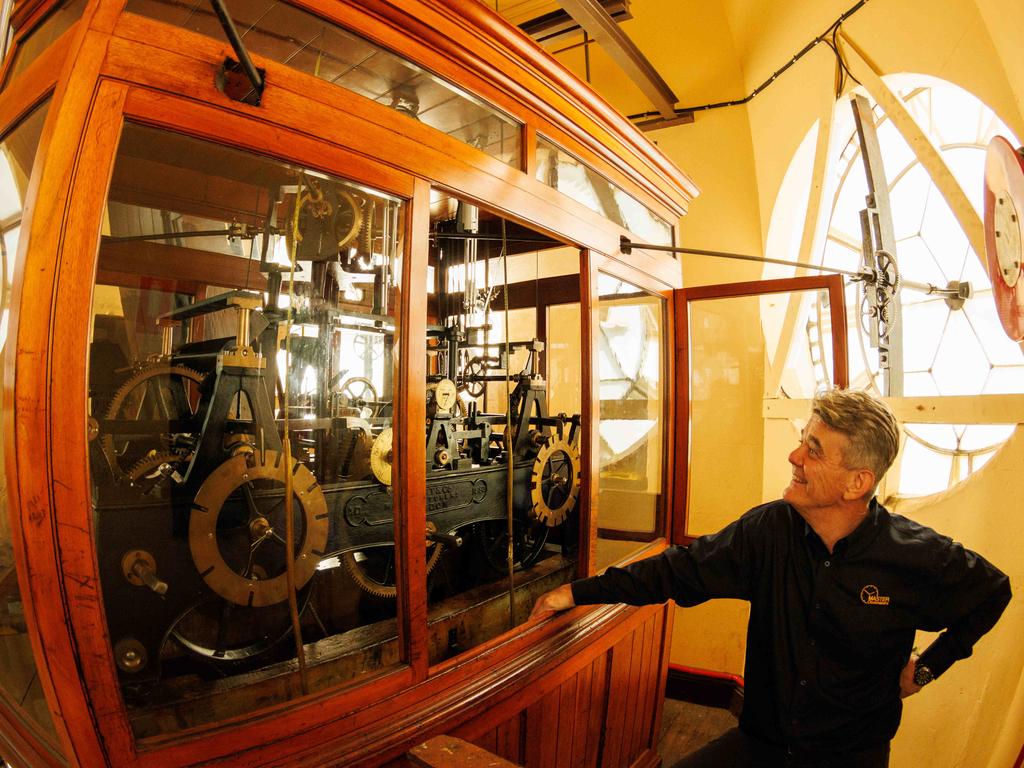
829	633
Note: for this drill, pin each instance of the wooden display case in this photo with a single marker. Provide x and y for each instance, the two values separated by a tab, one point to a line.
295	424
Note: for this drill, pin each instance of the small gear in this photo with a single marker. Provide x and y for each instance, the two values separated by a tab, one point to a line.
154	470
473	381
360	393
555	482
354	447
374	569
158	390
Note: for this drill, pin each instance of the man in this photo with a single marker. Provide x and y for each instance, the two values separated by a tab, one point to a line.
837	586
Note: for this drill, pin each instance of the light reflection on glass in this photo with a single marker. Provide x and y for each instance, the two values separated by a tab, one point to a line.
571	176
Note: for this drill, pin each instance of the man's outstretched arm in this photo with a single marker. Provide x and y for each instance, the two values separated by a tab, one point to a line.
718	565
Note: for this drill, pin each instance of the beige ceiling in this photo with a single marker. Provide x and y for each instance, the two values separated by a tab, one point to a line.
706	52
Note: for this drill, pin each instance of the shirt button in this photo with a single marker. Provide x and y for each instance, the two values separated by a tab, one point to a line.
803	683
813	642
828	563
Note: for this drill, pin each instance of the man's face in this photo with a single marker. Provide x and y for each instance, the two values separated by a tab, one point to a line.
819	477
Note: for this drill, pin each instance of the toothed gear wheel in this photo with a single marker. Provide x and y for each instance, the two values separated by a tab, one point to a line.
555	482
360	393
374	569
158	391
382	455
473	381
147	473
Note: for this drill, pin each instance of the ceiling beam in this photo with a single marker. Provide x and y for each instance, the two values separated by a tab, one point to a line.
592	16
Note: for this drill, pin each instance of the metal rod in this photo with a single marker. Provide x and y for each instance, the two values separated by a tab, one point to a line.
231	232
236	43
627	246
495	238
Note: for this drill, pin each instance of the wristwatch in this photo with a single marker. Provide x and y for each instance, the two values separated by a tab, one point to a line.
922	675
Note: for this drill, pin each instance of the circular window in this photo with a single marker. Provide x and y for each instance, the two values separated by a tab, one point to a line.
947	351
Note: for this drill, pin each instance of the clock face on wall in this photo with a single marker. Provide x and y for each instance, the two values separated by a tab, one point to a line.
1004	232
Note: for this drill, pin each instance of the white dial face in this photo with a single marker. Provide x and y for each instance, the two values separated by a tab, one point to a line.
445	394
1007	228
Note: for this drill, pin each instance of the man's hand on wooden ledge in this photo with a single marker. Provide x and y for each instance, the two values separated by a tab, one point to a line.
559	599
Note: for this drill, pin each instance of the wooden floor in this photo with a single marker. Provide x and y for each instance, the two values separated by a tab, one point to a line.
686	727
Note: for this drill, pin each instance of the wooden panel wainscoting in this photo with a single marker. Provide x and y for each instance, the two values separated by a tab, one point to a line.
603	715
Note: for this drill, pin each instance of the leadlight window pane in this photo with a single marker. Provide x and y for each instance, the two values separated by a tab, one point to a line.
219	376
571	176
39	39
310	44
18	676
631	360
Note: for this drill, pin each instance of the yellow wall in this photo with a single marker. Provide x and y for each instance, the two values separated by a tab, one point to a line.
964	716
974	716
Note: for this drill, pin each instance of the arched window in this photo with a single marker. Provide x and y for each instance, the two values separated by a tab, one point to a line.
947	351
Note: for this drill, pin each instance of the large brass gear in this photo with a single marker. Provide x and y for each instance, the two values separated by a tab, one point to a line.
555	481
348	219
159	386
253	531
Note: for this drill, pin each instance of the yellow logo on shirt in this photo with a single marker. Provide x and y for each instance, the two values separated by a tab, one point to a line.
869	596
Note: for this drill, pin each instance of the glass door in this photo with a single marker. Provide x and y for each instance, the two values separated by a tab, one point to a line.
739	353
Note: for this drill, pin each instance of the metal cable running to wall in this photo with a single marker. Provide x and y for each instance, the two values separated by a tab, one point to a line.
828	37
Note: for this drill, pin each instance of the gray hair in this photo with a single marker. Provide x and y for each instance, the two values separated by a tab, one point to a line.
868	423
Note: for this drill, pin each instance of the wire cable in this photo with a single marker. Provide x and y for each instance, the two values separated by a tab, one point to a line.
509	445
293	606
829	37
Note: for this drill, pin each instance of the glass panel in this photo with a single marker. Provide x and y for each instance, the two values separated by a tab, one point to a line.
809	357
242	411
727	354
503	394
731	340
18	677
306	42
6	33
39	39
631	362
572	177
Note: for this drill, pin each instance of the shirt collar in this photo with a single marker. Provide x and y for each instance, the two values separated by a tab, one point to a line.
861	536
